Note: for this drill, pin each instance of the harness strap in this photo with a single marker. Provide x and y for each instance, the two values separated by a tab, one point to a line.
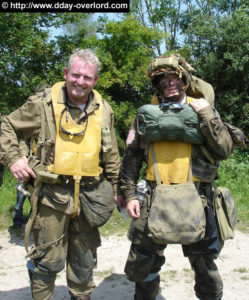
34	201
49	120
76	194
43	246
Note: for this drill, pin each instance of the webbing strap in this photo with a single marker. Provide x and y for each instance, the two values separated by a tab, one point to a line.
155	164
43	246
34	202
50	121
76	194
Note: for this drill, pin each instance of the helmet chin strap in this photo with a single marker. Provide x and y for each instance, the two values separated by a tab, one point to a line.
172	99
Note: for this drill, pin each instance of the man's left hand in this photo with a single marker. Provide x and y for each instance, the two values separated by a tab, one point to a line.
199	104
120	202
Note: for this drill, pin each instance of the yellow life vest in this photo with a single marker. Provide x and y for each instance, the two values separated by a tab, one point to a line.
172	157
76	155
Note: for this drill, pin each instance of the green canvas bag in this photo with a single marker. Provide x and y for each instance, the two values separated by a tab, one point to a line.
177	213
225	208
97	203
176	123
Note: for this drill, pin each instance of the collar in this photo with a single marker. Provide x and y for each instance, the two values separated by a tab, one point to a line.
184	99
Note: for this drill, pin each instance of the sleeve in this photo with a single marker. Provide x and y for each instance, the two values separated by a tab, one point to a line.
134	156
21	124
218	139
24	146
111	158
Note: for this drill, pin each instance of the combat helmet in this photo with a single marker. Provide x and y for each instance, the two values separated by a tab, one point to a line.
170	64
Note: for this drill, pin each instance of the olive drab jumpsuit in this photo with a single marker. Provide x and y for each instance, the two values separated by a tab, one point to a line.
146	257
61	231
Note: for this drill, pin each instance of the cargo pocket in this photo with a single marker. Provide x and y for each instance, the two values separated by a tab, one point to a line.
87	240
55	196
37	227
141	223
82	235
139	263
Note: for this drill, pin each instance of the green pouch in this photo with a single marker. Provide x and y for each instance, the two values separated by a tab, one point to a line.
225	207
97	203
156	124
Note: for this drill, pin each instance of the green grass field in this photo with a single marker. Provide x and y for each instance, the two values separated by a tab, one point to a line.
233	173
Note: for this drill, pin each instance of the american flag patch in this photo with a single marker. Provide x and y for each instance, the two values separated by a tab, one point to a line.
130	137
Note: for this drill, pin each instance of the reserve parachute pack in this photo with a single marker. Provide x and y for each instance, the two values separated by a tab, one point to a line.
171	122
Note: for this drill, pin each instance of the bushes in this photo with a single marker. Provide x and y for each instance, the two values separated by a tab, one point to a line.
234	174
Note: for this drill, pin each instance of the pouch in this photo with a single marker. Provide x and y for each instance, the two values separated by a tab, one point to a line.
97	203
177	214
225	208
237	135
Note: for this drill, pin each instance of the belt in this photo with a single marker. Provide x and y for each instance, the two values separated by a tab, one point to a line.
84	182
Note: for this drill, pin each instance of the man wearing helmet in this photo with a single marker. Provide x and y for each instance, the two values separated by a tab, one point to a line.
171	76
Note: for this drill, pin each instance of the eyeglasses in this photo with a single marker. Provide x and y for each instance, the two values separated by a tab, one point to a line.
169	105
68	132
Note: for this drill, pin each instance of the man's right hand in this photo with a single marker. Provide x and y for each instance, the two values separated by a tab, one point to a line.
21	171
133	209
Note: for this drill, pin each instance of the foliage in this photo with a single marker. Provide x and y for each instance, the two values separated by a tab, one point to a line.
125	52
29	57
220	50
234	174
163	16
8	195
23	48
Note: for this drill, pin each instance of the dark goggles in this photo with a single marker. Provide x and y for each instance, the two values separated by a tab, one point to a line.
68	132
169	105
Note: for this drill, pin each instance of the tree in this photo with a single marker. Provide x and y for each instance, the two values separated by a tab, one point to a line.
217	35
29	57
125	51
163	16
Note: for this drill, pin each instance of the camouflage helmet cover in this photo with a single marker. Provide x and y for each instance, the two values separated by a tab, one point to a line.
170	64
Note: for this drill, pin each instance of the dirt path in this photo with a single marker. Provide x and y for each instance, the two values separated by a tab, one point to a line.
177	278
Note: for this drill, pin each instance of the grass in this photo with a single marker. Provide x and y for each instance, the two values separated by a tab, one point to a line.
241	270
8	194
233	174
